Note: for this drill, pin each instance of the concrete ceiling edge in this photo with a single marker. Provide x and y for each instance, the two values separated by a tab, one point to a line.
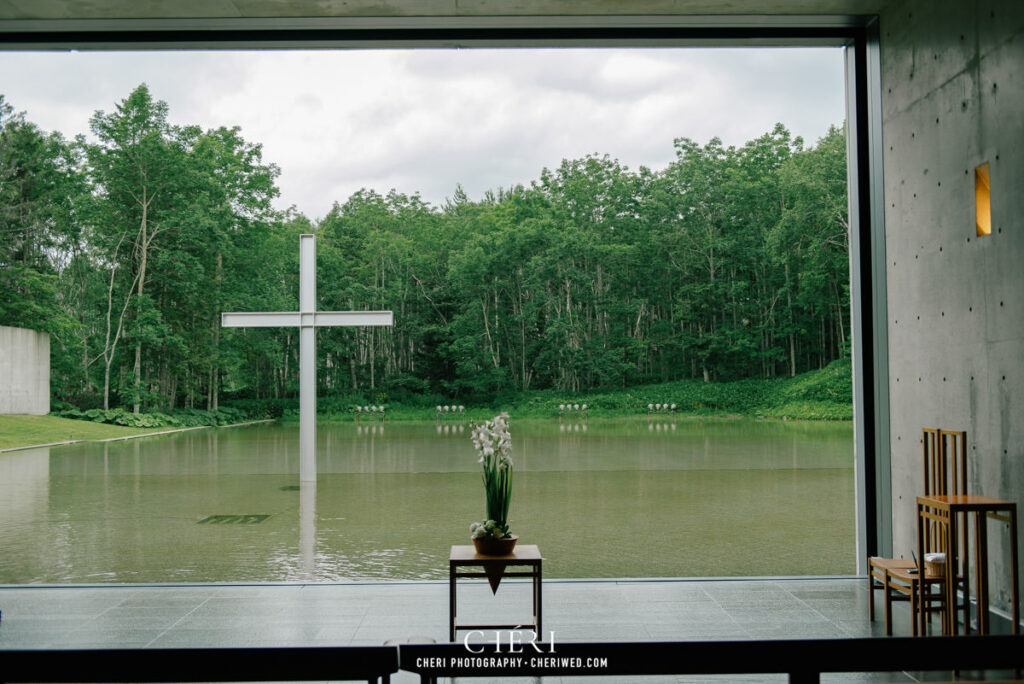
440	22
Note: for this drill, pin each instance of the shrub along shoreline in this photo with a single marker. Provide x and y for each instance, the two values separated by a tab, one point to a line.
825	394
178	418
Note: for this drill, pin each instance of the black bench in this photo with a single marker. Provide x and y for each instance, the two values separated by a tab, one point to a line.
348	663
803	660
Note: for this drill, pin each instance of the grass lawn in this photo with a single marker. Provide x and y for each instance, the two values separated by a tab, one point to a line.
18	431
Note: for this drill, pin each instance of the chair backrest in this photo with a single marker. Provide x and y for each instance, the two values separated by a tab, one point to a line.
934	466
954	452
945	474
945	461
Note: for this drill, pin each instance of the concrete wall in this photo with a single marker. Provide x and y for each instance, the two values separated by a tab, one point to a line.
24	371
953	98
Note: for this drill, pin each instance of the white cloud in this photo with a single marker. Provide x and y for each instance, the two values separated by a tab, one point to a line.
335	121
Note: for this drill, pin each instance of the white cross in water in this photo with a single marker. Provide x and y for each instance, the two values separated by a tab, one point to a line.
307	318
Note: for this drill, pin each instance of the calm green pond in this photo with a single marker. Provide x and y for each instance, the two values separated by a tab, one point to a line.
608	498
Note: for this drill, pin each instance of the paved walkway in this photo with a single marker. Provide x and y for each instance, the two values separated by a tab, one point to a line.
152	616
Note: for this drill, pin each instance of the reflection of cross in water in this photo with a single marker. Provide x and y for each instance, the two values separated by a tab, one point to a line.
307	319
307	529
307	526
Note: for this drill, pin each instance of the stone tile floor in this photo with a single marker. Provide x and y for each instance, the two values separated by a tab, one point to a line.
154	616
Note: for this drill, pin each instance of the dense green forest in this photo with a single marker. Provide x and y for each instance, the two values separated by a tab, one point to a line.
729	263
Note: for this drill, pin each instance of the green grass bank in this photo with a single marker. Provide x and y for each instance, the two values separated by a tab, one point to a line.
23	431
825	394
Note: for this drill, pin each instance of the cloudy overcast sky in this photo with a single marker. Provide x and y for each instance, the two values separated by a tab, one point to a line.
425	120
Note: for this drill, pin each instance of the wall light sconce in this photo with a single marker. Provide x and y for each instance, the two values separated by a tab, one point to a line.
982	200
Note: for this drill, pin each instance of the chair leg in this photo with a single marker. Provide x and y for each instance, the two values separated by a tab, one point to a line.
871	593
887	590
944	613
913	608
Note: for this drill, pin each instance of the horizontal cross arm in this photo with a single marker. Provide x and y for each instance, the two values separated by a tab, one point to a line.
319	319
333	318
260	319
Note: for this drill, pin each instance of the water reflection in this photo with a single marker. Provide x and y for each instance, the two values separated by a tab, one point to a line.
725	497
369	429
449	429
307	528
25	485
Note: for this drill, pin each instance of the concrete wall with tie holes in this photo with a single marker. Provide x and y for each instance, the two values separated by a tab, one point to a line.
24	371
953	99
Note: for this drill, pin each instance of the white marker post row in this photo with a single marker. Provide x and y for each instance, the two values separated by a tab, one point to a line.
307	319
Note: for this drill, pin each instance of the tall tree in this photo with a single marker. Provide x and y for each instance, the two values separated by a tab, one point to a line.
41	187
730	262
139	166
36	191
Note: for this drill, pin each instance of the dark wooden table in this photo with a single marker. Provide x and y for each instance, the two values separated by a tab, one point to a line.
527	555
945	512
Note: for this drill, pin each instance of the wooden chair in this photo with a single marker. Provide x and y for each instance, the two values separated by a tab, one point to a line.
944	455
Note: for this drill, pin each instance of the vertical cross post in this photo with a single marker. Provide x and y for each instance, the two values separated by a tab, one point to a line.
307	358
307	319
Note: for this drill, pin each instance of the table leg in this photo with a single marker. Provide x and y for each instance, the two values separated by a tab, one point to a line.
540	602
1013	569
451	603
981	571
961	535
964	551
533	588
951	571
921	531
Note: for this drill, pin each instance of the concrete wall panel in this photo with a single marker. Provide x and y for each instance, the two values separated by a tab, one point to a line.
999	22
24	371
952	99
925	46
